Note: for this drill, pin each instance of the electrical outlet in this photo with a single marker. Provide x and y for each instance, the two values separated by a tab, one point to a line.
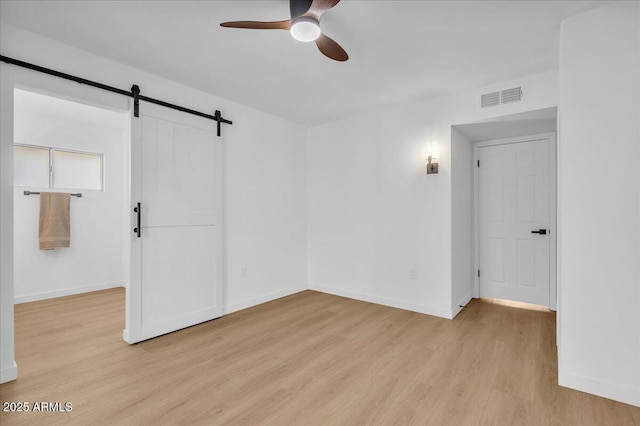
413	274
243	271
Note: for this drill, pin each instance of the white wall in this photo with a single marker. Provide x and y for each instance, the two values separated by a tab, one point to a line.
94	259
265	174
8	368
461	219
599	208
265	209
374	214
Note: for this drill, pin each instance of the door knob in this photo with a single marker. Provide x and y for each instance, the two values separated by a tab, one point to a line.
540	231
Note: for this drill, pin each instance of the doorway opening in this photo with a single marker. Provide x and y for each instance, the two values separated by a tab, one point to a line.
504	206
63	146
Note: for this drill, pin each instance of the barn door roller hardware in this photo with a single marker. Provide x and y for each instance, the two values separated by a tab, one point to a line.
134	93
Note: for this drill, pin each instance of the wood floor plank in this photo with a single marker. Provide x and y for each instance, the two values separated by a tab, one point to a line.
309	358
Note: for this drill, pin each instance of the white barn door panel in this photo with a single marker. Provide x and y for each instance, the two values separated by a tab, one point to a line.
176	266
178	174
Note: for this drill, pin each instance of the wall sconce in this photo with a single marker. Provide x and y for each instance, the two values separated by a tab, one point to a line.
432	165
431	151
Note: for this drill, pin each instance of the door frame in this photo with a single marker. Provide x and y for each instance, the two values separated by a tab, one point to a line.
12	78
553	212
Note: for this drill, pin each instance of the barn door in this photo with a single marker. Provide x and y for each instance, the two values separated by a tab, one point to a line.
176	175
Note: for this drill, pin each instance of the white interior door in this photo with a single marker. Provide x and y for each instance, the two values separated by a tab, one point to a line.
514	196
176	175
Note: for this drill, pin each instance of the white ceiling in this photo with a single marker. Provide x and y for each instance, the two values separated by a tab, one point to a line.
399	50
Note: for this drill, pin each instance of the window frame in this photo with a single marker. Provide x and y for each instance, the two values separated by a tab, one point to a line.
52	151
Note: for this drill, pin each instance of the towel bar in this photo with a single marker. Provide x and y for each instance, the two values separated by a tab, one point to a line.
79	194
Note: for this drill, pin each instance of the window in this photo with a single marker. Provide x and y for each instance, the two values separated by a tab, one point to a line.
47	167
30	166
77	170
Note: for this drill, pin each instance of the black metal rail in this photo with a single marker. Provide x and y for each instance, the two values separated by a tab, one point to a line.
134	93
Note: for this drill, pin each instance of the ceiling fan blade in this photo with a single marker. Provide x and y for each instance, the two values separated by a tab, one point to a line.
318	7
331	49
257	25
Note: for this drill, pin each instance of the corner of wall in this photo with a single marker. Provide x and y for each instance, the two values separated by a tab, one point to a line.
8	374
258	300
599	68
456	308
8	368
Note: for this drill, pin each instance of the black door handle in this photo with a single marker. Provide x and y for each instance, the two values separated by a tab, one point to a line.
138	228
541	232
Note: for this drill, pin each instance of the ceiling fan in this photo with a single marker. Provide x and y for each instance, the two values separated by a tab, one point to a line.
304	25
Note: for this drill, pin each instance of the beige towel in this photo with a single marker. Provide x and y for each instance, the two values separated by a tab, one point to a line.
54	220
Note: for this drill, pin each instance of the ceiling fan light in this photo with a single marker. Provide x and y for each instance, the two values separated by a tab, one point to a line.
305	28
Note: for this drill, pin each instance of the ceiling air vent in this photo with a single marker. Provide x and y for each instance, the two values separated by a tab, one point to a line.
511	95
490	99
506	96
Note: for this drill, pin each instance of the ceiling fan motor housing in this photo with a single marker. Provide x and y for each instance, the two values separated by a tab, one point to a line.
299	7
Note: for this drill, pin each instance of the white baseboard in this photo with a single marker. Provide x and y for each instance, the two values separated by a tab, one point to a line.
126	337
455	309
248	303
606	390
9	374
33	297
407	306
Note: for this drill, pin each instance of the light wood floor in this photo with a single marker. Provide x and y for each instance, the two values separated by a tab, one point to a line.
307	359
